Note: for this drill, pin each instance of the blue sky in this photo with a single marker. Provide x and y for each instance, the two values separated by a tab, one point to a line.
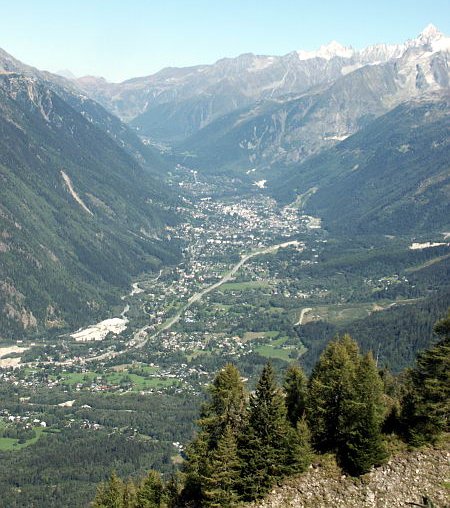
120	39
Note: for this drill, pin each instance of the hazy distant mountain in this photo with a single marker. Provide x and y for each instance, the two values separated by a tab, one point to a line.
78	214
66	73
176	102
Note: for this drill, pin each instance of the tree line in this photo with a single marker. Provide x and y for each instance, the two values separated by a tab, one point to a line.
248	442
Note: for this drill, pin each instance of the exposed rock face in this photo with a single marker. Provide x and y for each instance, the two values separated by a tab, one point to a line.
406	478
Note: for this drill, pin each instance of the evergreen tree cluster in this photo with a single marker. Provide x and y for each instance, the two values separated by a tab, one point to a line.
426	403
119	494
247	443
346	406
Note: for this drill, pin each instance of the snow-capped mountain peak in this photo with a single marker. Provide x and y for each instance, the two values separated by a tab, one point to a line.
432	39
327	52
429	34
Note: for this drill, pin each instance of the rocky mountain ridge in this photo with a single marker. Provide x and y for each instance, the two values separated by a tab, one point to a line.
287	130
405	480
176	102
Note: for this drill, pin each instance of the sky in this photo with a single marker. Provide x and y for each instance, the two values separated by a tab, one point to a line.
121	39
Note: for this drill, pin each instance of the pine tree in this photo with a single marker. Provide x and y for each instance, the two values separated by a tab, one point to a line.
222	473
426	406
225	409
268	443
226	406
301	450
129	495
346	406
362	445
172	491
150	493
110	494
297	448
296	388
195	469
331	389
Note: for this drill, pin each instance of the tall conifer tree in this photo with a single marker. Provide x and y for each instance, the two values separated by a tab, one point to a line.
226	406
150	493
225	410
331	390
296	388
362	446
222	473
426	406
110	494
268	443
346	407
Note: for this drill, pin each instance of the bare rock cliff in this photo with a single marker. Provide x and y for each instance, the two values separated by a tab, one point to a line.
404	481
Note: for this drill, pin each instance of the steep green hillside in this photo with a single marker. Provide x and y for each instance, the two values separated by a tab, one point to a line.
123	135
391	177
78	214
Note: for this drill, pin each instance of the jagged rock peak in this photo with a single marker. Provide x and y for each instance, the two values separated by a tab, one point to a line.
430	33
431	38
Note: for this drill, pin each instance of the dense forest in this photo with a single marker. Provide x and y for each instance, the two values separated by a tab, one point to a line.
349	180
62	264
247	442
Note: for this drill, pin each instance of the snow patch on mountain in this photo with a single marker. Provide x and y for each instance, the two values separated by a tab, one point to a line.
429	34
328	51
261	63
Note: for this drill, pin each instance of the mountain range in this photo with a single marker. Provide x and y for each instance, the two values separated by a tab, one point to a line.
287	130
176	103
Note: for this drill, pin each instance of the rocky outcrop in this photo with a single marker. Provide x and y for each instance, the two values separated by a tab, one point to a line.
403	481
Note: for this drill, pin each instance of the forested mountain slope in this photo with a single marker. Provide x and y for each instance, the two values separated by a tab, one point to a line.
78	214
91	110
391	177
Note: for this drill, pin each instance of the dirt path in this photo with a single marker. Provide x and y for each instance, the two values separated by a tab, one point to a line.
302	315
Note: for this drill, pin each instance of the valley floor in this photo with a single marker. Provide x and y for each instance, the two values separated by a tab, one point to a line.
257	282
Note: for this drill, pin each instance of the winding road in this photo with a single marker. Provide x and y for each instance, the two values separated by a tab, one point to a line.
198	296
